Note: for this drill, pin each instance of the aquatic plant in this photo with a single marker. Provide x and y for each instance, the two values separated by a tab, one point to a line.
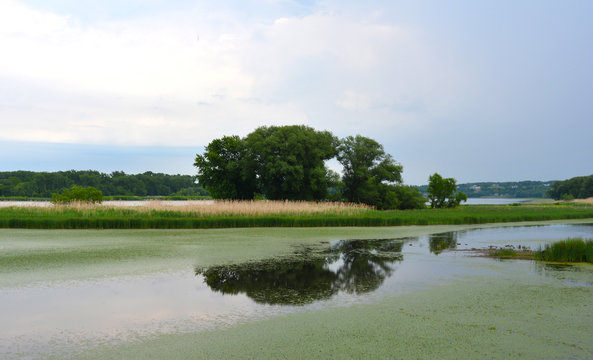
569	250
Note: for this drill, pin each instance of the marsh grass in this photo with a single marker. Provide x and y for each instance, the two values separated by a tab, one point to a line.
226	208
525	254
229	214
569	250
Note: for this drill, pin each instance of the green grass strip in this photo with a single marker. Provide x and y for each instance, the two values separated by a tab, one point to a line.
114	218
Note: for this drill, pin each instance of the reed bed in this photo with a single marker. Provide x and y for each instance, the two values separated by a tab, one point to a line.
232	214
569	250
588	201
226	208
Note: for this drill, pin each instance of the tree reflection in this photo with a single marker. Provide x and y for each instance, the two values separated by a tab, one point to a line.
443	241
355	266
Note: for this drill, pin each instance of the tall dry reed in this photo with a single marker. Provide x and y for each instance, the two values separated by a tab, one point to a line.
225	207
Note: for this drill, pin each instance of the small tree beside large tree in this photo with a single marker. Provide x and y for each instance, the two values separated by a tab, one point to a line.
442	192
288	163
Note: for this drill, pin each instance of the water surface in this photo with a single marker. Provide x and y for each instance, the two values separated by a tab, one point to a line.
63	317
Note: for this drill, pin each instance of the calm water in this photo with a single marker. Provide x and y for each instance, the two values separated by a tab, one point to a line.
493	201
60	316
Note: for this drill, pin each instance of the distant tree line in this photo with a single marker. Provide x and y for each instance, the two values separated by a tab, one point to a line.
580	187
516	189
288	163
44	184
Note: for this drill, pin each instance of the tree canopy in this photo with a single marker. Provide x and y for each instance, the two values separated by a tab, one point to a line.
279	162
580	187
368	172
288	163
44	184
223	169
442	192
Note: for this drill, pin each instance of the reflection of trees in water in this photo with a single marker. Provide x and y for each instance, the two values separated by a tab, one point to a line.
571	273
355	266
443	241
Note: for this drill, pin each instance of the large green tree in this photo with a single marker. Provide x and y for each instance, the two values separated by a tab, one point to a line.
289	161
442	192
369	172
579	187
224	169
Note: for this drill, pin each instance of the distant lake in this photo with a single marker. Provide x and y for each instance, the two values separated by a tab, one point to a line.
493	201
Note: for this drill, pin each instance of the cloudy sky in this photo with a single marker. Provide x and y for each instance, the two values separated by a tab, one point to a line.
475	90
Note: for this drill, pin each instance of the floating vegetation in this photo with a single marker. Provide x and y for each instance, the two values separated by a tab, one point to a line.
511	253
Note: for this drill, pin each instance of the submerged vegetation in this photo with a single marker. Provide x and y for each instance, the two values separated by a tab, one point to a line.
232	214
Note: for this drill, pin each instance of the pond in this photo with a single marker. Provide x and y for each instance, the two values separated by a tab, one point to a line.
56	317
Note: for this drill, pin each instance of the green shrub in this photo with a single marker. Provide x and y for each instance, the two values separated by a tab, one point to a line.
78	194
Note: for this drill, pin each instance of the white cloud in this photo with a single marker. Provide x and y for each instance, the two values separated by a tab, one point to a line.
182	78
351	100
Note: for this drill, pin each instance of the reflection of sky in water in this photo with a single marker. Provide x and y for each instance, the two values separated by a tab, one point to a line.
58	316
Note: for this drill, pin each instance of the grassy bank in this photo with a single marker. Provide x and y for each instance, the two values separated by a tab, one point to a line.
270	214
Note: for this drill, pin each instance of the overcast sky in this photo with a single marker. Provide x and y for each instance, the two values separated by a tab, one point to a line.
475	90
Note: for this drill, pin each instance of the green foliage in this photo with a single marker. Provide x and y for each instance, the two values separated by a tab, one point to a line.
29	184
408	197
278	162
442	192
117	218
289	161
570	250
78	194
224	171
368	172
580	187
